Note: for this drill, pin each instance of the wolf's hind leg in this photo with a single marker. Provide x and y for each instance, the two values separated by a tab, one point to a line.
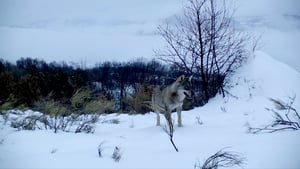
179	109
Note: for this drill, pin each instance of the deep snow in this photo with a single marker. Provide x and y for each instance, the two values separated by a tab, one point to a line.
144	145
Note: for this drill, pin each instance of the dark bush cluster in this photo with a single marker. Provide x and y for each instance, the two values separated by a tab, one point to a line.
126	84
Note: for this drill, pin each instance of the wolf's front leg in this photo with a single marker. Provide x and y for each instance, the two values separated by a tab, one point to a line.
157	119
179	109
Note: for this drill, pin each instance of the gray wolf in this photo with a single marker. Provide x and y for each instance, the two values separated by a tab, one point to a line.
165	100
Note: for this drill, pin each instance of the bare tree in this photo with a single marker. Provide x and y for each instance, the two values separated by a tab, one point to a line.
203	42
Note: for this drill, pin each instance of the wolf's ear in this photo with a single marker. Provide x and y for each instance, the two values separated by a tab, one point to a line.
190	78
180	78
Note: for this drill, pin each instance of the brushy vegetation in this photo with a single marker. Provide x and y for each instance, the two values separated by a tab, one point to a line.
117	154
136	101
221	159
38	121
125	85
83	103
80	115
286	117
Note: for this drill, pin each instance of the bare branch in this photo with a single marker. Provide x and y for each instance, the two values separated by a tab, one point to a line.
281	123
221	159
170	132
170	129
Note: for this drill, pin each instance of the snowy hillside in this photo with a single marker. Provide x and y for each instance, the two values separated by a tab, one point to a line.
222	123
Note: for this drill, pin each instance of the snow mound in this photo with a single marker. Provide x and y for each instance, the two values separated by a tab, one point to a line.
274	78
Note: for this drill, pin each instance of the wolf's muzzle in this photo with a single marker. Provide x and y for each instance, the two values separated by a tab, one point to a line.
187	96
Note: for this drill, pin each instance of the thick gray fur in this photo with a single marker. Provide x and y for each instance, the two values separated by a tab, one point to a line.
165	100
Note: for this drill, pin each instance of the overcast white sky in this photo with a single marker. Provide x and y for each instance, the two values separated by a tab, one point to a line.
93	31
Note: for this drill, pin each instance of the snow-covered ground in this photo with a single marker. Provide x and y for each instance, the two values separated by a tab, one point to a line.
94	31
144	145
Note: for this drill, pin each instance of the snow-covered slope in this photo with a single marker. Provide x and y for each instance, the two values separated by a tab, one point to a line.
144	145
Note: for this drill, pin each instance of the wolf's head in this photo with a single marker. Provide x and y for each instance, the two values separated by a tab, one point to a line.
185	86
